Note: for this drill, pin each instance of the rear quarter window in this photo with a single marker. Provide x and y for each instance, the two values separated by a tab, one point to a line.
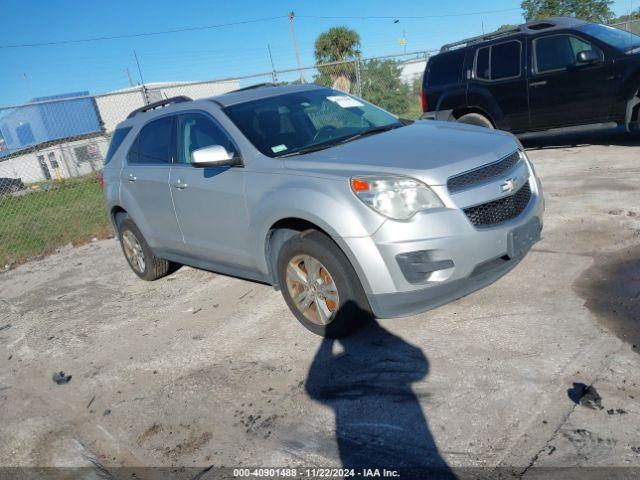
446	68
116	140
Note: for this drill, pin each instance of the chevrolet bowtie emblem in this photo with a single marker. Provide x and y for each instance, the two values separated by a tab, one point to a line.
509	185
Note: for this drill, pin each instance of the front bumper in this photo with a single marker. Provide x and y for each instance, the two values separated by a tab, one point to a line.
479	256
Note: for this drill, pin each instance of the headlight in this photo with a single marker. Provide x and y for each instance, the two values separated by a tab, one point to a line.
399	198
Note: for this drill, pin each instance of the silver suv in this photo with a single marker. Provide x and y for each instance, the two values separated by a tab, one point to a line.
348	210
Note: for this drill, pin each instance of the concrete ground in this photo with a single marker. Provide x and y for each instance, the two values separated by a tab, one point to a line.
199	369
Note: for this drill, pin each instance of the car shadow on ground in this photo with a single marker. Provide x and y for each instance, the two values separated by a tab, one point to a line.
367	379
617	136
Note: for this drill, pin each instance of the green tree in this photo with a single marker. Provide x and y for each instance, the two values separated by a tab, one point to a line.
381	85
592	10
338	44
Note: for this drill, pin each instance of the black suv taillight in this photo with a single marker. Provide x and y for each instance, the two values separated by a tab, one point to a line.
423	99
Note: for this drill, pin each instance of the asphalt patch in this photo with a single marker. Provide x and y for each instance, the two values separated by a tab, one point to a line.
611	290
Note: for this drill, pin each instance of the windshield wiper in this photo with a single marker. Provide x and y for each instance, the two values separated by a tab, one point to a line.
312	148
371	131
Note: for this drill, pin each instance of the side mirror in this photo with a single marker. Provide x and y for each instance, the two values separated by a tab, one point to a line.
588	56
214	156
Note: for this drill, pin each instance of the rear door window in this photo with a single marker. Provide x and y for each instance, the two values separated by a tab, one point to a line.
499	62
155	143
505	60
446	68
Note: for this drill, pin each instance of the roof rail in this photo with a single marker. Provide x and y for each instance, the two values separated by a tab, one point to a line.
480	38
161	103
252	87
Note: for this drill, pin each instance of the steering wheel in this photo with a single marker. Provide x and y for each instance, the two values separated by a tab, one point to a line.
324	130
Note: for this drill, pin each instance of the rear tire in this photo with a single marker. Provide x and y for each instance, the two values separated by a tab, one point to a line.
476	119
314	273
139	256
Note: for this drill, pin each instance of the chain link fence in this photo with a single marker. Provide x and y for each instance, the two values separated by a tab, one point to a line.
632	26
52	148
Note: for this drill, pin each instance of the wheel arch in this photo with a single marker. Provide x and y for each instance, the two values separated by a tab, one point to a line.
116	215
632	114
459	112
285	228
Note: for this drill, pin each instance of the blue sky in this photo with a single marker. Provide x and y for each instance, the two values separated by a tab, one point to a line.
99	66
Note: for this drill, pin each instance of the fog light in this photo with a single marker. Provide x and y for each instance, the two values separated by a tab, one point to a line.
418	266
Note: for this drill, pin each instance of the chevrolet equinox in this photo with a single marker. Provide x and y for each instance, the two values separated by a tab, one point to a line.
346	209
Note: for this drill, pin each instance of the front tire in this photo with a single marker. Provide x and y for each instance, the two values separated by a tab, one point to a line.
139	256
476	119
320	286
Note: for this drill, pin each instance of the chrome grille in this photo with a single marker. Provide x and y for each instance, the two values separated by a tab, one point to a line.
501	210
472	177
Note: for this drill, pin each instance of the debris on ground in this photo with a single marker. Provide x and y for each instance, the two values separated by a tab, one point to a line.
60	378
91	401
4	327
106	412
619	411
585	395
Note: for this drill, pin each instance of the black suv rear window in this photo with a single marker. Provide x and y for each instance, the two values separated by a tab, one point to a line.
116	140
446	68
505	60
497	62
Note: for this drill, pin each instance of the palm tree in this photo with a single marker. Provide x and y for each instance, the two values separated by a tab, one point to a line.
338	44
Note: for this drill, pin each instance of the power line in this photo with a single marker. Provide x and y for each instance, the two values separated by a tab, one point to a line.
143	34
390	17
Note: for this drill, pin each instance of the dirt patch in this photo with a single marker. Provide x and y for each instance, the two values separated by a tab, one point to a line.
611	289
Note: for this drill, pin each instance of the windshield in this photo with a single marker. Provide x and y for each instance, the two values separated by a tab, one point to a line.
619	39
306	121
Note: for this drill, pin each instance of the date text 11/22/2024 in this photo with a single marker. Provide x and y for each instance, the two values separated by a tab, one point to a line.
315	473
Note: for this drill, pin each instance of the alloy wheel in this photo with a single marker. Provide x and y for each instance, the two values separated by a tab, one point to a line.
312	289
133	251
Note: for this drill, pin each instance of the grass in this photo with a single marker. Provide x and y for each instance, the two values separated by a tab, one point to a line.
71	211
414	111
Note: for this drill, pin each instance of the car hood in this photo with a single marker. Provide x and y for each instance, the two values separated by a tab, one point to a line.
428	150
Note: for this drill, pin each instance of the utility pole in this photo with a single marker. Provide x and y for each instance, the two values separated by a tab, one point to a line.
295	45
274	75
145	97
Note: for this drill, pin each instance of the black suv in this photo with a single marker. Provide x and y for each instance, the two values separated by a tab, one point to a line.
554	73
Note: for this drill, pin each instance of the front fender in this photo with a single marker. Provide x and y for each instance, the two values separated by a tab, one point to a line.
326	203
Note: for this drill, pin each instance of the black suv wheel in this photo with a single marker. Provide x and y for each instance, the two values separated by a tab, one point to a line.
476	119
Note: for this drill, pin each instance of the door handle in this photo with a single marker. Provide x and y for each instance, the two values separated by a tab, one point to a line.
180	185
538	84
132	177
